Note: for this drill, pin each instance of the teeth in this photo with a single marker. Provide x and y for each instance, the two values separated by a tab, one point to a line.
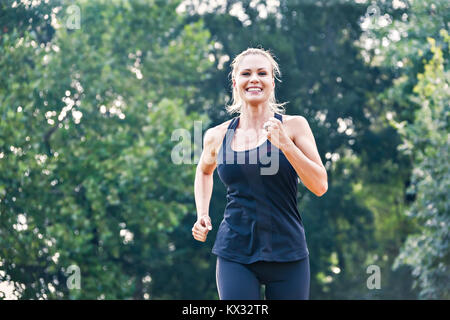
254	89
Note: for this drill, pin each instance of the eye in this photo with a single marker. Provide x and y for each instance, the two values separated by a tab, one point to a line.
261	73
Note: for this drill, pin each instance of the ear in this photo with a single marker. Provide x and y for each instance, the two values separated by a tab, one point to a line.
234	83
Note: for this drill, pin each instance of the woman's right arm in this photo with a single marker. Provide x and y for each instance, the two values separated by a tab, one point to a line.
203	186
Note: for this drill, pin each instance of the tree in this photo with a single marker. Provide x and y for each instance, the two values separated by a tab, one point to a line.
86	174
428	251
413	43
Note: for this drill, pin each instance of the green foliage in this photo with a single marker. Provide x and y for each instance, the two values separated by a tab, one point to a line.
400	40
414	46
86	172
428	251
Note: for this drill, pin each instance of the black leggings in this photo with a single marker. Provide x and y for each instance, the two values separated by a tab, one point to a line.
282	280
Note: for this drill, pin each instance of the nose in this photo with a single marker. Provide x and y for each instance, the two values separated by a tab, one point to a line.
254	78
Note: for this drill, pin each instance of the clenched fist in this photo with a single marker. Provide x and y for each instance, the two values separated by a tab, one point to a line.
201	228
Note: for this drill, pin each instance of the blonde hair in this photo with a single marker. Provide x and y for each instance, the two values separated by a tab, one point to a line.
236	103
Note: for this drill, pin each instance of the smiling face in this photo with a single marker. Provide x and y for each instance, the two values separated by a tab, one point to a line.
254	80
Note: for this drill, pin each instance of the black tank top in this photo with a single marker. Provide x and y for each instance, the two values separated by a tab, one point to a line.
261	220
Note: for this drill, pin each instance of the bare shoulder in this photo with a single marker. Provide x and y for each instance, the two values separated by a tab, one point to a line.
211	145
294	124
214	136
292	119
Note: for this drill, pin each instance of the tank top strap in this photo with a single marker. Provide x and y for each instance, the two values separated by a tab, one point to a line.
230	131
233	123
279	116
225	148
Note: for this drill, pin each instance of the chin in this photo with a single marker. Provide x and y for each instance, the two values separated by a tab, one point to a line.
255	101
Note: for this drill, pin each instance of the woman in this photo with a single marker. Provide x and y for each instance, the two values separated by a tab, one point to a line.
261	239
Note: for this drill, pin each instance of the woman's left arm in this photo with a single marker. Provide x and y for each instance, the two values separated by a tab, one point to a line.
302	153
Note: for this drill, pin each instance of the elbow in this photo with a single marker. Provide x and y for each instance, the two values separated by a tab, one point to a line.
324	184
322	190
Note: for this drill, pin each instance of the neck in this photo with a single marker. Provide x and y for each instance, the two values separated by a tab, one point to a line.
253	117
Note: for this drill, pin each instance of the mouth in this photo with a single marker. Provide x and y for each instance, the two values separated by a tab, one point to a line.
254	89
